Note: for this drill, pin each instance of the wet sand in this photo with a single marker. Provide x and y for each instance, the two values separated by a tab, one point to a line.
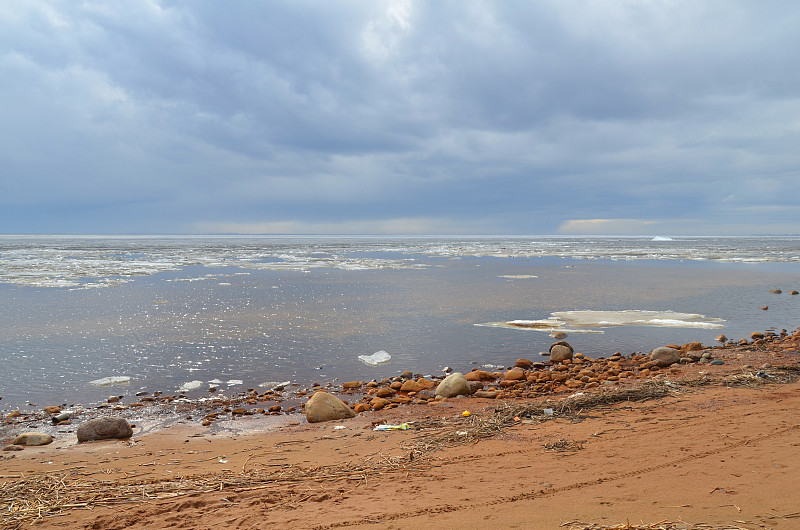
700	446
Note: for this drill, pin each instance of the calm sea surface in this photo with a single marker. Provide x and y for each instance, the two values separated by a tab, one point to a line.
241	312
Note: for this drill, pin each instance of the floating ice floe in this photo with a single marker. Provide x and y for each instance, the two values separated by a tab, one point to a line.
638	317
272	385
234	382
578	321
517	276
112	380
191	385
379	357
661	238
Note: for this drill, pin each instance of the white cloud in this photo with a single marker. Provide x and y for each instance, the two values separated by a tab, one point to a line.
504	118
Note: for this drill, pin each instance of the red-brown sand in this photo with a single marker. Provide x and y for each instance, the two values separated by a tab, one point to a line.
716	455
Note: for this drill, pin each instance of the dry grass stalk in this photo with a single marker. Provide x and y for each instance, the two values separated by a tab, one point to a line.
33	498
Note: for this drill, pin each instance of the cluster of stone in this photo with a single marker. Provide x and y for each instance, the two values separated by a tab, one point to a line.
248	405
565	371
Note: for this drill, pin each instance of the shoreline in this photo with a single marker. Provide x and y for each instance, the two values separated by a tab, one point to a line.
495	466
283	404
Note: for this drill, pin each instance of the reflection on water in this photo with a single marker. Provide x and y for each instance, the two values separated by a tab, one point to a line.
209	315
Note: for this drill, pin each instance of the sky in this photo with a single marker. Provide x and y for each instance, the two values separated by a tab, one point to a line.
626	117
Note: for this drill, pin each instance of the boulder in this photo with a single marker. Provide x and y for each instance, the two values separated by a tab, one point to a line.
326	407
426	394
453	385
13	448
480	375
562	343
426	384
474	386
525	364
411	386
384	393
560	353
104	429
515	374
52	409
694	356
33	438
692	346
351	385
665	356
378	403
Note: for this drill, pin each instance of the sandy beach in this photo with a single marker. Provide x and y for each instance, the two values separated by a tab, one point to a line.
696	445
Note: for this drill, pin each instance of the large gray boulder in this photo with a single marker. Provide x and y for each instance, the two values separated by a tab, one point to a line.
326	407
665	356
33	438
454	385
104	429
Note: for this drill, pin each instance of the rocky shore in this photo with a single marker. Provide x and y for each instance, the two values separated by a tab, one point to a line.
704	434
561	371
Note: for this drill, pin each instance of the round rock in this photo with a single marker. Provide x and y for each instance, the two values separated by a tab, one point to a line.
326	407
33	438
665	356
453	385
104	429
559	352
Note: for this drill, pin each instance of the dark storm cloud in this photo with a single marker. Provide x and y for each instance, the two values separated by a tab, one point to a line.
506	117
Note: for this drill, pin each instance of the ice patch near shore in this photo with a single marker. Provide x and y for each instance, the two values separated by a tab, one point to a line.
379	357
112	380
272	385
234	382
191	385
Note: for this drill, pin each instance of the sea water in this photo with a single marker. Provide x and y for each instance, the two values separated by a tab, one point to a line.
182	314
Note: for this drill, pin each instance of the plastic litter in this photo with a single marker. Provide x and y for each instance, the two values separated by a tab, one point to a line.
548	412
385	427
466	413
